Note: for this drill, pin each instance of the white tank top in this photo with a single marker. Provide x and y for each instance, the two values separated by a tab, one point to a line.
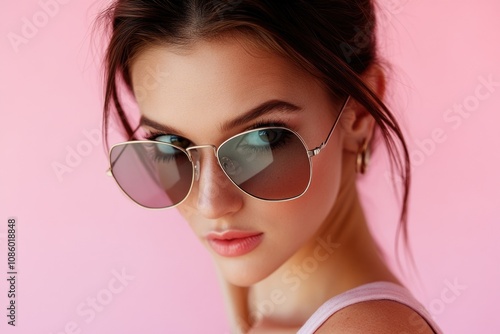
363	293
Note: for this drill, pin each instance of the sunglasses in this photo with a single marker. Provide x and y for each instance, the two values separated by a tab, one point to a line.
267	163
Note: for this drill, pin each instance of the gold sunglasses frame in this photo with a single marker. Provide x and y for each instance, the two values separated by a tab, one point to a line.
196	164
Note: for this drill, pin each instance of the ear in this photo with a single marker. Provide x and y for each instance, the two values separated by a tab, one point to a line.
357	123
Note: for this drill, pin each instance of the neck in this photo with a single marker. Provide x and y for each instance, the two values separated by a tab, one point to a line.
341	256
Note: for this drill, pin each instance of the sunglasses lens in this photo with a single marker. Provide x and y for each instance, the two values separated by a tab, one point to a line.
155	175
269	163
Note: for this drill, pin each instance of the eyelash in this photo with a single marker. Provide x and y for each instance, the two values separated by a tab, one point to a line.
152	134
264	124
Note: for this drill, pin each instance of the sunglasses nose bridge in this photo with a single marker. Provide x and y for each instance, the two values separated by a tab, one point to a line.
194	154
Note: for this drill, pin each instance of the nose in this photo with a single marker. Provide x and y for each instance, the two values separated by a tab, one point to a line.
216	195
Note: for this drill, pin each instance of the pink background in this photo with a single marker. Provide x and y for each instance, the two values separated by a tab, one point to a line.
76	231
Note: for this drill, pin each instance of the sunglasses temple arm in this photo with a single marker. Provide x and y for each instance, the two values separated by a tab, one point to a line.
109	171
318	149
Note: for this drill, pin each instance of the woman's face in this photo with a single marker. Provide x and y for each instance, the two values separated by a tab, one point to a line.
194	93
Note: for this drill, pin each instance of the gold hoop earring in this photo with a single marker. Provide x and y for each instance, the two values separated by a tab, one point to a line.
363	157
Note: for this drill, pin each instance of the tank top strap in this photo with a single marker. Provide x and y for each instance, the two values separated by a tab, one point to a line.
367	292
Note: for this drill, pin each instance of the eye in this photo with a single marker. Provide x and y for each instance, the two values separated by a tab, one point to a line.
167	152
266	137
174	140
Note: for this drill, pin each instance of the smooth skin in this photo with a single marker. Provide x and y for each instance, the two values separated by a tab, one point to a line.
313	247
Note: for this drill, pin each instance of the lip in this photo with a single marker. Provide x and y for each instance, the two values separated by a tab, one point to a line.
234	243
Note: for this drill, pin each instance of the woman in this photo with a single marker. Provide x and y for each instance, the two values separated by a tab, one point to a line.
255	118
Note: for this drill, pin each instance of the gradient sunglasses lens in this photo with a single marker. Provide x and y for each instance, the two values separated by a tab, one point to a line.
268	163
153	174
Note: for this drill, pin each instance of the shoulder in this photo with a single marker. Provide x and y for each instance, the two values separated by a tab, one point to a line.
376	317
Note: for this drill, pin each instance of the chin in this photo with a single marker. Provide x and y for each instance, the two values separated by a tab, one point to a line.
243	272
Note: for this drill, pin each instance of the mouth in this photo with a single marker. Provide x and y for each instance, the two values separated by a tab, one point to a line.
234	243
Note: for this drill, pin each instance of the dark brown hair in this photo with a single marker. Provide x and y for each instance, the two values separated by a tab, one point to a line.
333	40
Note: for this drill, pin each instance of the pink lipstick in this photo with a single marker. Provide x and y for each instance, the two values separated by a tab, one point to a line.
234	243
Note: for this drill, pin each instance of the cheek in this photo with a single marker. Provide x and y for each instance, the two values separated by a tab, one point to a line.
305	215
189	214
326	177
291	225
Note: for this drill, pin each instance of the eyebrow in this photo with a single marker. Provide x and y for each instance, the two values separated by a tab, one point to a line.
262	109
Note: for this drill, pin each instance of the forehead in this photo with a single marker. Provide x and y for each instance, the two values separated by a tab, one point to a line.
212	82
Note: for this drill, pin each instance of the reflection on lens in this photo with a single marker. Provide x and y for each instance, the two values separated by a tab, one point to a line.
274	169
155	175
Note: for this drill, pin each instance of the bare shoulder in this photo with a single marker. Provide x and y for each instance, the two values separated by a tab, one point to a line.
376	317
